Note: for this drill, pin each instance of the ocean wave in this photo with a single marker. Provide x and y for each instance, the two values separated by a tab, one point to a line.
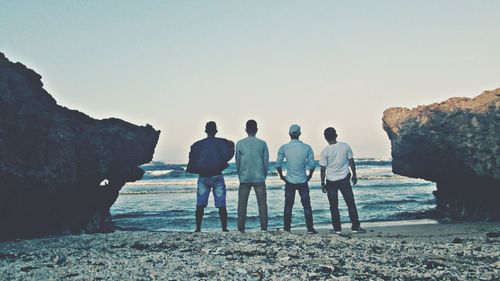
132	215
162	166
147	192
174	178
381	177
393	184
158	173
363	180
427	214
372	170
384	203
373	162
167	189
179	170
165	213
184	190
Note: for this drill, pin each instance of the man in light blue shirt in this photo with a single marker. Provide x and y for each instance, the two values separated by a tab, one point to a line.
299	157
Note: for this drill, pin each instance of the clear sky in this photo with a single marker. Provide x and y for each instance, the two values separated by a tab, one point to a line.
178	64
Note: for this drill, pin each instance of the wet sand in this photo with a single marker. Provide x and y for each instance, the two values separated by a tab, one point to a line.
414	250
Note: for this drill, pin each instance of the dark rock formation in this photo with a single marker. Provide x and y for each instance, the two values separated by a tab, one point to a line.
455	144
53	160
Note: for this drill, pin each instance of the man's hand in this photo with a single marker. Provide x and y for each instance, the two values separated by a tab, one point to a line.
283	178
353	169
309	177
323	187
354	179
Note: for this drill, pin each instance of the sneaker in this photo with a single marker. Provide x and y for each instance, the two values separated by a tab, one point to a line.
358	230
263	230
312	231
225	230
197	230
335	231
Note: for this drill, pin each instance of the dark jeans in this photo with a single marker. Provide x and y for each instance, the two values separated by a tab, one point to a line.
303	189
332	188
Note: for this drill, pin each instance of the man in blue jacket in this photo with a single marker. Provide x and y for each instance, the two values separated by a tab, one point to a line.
208	158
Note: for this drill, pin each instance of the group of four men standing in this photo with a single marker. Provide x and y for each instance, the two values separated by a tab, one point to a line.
209	157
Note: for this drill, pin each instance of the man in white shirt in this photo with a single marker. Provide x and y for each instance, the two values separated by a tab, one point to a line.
299	156
335	160
252	163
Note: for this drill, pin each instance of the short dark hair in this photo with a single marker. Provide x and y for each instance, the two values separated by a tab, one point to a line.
330	133
251	126
211	127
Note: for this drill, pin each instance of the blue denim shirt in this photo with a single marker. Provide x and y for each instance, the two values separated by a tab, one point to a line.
299	156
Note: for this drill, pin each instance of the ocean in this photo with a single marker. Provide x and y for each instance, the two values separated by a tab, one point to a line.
165	199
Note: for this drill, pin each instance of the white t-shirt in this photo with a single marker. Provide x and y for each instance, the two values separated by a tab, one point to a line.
335	158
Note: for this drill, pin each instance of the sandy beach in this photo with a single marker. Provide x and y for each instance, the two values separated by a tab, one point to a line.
414	250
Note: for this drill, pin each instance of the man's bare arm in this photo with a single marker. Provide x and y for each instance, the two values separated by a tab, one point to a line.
353	169
311	172
280	172
323	176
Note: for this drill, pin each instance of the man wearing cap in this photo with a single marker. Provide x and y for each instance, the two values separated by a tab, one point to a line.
208	158
252	162
335	160
299	157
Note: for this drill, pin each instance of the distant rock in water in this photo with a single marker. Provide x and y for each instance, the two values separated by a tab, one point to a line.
455	144
53	160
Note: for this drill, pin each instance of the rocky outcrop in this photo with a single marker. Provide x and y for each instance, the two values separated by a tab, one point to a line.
455	144
53	160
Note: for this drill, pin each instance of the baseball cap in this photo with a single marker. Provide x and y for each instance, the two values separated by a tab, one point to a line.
294	130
